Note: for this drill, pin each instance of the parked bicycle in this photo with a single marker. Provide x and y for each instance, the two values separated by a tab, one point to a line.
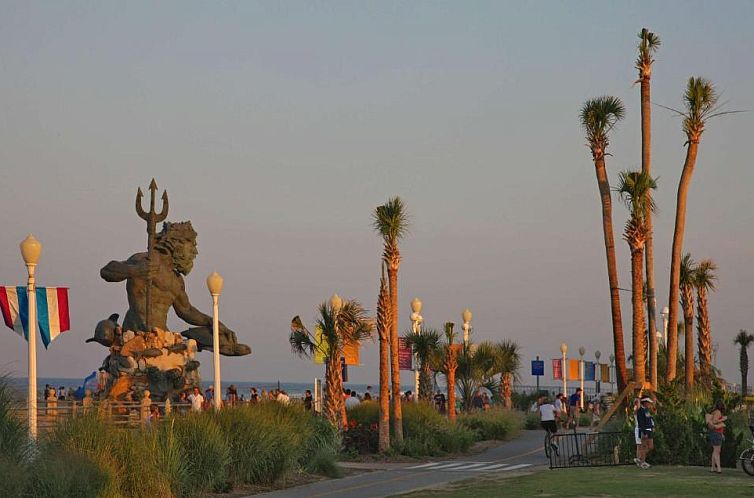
747	455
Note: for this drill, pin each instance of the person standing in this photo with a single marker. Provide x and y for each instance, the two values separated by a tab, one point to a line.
196	399
352	400
560	409
716	430
646	429
574	409
308	400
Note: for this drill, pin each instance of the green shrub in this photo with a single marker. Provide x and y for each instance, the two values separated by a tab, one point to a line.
496	423
365	413
205	450
56	475
321	449
532	422
428	433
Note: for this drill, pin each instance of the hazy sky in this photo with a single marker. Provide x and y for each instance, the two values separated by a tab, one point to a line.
277	127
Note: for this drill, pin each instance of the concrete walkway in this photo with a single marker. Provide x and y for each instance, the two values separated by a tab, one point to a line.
521	454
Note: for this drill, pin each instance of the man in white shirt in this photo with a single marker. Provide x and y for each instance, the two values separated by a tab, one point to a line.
547	414
197	400
352	400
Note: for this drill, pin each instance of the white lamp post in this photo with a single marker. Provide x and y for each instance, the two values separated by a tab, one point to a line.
564	350
611	371
416	321
466	316
30	251
582	350
215	286
597	355
665	314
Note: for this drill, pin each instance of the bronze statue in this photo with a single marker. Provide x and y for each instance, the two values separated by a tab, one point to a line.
174	253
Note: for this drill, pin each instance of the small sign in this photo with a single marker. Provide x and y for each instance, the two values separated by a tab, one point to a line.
557	369
405	355
537	367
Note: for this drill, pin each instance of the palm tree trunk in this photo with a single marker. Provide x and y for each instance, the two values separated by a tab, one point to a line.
704	341
744	370
675	260
688	326
452	388
637	301
334	404
384	436
646	167
507	380
425	383
612	271
395	372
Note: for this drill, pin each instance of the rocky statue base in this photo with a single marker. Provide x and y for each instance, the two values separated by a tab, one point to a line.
159	361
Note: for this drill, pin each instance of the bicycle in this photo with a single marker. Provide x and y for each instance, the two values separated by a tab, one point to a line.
747	455
550	444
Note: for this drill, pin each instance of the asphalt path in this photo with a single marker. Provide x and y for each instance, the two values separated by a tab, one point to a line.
519	455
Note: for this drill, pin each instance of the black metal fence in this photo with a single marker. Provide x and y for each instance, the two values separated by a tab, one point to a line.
590	449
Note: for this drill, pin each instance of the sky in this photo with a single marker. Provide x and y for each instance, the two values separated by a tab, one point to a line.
278	127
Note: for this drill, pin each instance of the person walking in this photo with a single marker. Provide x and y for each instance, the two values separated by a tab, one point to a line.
716	430
574	402
646	429
560	410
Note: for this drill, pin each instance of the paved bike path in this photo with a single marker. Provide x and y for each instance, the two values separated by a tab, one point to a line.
519	455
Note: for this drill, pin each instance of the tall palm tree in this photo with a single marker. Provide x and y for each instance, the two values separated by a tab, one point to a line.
635	188
426	347
598	117
648	45
450	364
744	340
391	222
507	364
688	266
384	322
341	323
704	281
701	104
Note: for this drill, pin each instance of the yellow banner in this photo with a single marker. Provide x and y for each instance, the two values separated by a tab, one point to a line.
320	350
573	370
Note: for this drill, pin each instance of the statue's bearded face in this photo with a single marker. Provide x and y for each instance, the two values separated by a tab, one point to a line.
183	256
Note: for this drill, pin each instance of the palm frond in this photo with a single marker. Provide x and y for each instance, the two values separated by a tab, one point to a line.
704	275
598	116
301	341
688	267
635	189
390	220
648	45
743	339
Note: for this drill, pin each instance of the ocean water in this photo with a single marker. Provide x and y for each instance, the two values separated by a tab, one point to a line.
294	389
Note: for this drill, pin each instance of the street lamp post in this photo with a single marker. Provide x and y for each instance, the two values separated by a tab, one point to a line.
31	250
582	350
215	286
665	314
564	350
466	316
612	373
416	321
597	383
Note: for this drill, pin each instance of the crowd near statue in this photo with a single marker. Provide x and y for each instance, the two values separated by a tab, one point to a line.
151	358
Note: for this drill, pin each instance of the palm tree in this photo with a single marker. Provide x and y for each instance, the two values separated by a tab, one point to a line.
341	323
648	45
450	364
426	347
391	222
598	117
687	303
635	188
704	279
384	322
700	100
507	364
744	340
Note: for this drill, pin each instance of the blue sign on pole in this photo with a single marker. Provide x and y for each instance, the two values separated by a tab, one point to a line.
537	367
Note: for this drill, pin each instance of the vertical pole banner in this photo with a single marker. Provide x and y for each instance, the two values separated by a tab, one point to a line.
589	371
557	369
573	370
405	355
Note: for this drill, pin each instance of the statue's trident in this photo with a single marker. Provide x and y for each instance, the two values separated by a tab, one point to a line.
152	218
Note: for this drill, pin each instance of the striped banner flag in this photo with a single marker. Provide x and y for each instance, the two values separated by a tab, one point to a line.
52	311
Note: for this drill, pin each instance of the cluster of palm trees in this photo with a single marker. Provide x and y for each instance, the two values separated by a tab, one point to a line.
598	117
342	323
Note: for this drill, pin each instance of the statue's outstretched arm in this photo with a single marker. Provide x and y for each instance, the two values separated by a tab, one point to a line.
135	266
187	312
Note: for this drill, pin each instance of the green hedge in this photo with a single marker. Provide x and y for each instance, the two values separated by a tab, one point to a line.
496	423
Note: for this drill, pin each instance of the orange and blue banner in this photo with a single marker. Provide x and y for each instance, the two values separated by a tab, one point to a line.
52	311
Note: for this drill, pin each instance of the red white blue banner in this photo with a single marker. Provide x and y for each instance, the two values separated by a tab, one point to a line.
52	311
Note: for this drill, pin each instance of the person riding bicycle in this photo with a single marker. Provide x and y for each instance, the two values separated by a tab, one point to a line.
547	415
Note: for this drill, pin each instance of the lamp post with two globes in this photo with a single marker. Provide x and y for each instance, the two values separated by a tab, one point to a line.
466	316
30	251
416	322
215	286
